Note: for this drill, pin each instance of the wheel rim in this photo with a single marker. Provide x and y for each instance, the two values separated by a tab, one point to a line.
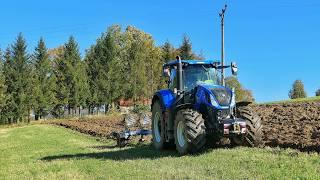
157	127
180	134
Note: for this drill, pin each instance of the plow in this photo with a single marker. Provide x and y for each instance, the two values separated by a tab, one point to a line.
134	126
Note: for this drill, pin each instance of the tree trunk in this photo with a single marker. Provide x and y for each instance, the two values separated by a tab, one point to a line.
69	109
106	108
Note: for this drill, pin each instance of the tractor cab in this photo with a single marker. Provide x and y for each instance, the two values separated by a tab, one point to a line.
194	73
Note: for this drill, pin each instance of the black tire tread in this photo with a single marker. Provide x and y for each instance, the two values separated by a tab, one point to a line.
195	129
254	136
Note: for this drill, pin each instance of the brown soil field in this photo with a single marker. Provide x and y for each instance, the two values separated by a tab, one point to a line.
293	125
104	126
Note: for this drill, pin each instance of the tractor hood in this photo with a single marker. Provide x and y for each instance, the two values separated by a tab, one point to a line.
223	96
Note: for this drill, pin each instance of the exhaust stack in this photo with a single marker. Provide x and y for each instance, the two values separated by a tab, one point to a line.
179	76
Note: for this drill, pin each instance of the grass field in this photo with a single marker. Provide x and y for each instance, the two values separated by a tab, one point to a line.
49	152
309	99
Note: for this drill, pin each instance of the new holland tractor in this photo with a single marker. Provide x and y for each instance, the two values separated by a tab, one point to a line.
196	110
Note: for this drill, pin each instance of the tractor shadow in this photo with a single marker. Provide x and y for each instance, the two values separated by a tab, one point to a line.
117	154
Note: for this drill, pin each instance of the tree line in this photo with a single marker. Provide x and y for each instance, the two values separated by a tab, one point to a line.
298	90
121	64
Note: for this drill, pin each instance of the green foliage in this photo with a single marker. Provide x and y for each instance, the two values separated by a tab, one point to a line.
61	90
138	108
44	81
123	65
185	50
297	90
168	52
2	90
242	94
18	82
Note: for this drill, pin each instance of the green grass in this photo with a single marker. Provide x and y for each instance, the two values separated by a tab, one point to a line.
49	152
309	99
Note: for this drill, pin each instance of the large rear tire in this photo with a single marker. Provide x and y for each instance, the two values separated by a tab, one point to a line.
254	136
189	131
158	138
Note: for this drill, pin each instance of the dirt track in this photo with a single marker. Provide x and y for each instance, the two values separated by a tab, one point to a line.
295	125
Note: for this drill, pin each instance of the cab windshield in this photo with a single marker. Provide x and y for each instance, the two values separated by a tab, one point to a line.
199	74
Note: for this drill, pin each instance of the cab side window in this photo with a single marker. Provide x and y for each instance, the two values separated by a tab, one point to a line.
173	79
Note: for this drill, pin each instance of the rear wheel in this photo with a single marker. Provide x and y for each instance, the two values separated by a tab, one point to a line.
189	131
254	134
158	139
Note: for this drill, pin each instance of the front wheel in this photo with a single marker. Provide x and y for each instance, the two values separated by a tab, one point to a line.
189	131
158	139
254	136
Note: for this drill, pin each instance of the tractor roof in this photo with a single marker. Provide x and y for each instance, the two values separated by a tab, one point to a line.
192	62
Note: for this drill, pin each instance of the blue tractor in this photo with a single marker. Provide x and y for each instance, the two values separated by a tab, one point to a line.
196	110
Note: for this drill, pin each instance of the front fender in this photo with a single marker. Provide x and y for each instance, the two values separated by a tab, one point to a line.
166	97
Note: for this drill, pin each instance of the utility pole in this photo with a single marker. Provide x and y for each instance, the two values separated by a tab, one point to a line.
222	42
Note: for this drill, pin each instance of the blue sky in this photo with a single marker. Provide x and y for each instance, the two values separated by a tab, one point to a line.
274	42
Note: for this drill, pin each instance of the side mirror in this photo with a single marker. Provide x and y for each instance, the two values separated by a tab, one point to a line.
234	68
166	72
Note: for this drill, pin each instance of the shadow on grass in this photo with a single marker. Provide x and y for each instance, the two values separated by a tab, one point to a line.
136	152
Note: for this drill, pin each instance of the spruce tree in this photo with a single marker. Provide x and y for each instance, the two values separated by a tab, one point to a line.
91	65
61	90
44	85
9	81
21	79
72	59
2	90
168	52
186	48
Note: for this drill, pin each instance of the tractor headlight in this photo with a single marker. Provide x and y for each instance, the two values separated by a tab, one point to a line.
213	101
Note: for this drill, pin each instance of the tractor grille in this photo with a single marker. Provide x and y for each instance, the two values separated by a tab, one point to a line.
222	95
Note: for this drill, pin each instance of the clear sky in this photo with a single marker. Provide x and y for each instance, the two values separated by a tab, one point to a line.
274	42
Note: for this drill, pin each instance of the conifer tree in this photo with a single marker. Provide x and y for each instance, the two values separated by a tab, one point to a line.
72	59
21	79
168	52
10	105
297	90
61	90
185	50
44	85
2	90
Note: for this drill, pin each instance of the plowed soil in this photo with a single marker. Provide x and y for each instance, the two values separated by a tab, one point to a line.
294	125
104	126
